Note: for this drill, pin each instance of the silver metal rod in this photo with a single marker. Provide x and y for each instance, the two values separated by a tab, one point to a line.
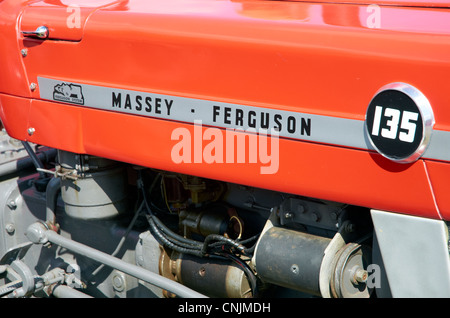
38	234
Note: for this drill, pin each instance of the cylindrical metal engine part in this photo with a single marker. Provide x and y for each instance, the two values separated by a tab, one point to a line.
212	277
291	259
97	195
99	189
205	221
349	276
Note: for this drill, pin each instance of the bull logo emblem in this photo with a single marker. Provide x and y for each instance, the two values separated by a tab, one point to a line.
69	93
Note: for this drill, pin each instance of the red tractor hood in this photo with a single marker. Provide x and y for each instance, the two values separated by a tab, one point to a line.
64	20
116	79
397	3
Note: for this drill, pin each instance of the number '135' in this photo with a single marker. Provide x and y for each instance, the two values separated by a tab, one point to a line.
392	124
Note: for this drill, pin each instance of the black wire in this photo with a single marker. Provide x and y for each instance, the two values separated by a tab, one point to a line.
251	249
251	276
182	244
250	239
224	240
213	246
165	241
157	223
164	235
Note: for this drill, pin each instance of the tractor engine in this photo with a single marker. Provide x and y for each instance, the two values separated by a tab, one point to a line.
87	226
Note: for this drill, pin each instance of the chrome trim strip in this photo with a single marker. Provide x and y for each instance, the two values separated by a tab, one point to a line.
323	129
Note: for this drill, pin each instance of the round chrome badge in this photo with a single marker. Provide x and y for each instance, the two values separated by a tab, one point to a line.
399	122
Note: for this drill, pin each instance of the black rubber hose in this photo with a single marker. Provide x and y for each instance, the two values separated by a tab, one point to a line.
167	243
181	244
34	158
186	242
223	239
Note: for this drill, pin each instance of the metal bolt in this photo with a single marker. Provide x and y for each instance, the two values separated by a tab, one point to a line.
72	268
10	228
315	217
31	131
33	87
288	215
294	269
12	205
360	275
24	52
119	282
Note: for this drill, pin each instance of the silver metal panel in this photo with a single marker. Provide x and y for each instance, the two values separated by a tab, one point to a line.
438	147
415	254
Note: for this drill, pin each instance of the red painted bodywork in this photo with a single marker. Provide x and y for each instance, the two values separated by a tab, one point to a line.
312	57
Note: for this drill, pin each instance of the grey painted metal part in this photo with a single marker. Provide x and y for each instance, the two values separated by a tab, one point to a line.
63	291
415	254
97	195
38	234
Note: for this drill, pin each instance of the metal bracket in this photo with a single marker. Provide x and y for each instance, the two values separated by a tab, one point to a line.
60	173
